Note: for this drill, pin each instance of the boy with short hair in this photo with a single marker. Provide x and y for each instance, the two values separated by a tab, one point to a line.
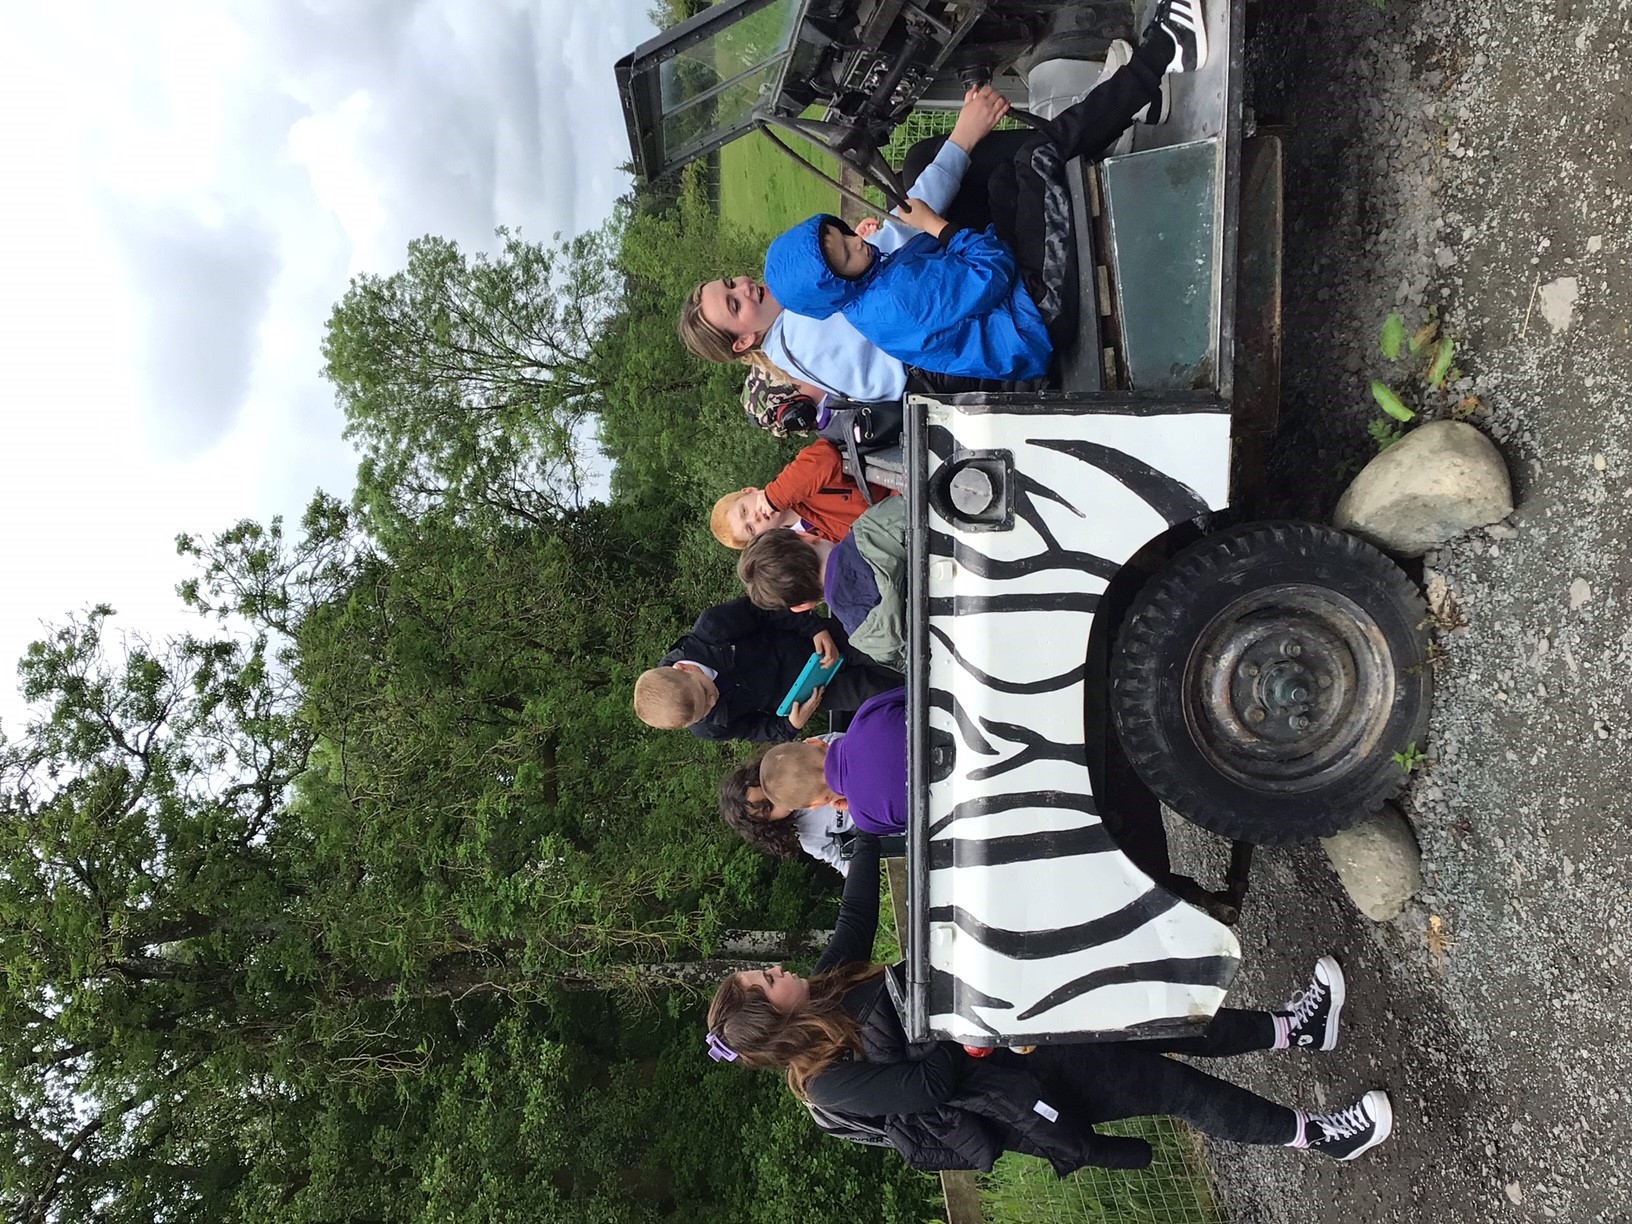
862	578
863	772
814	490
725	679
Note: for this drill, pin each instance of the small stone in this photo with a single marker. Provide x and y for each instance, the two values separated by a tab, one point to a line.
1600	463
1514	1194
1438	482
1379	863
1595	244
1557	302
1580	593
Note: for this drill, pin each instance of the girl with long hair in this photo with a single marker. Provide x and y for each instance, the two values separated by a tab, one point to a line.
783	833
837	1037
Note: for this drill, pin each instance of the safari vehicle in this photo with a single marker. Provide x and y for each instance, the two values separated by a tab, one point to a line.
1095	624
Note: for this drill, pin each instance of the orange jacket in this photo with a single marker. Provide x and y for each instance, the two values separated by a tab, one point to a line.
816	487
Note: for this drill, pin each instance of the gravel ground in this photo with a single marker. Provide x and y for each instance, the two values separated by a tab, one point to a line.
1470	155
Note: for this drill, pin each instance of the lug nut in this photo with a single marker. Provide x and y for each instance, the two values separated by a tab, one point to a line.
1256	714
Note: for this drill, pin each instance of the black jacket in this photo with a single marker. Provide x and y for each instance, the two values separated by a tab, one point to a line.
758	656
942	1109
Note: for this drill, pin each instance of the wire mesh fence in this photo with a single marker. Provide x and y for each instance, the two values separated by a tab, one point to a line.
1174	1190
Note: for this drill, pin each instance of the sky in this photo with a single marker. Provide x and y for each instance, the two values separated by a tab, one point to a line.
188	187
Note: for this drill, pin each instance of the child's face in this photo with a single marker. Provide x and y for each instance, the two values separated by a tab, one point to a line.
763	808
754	513
739	306
847	254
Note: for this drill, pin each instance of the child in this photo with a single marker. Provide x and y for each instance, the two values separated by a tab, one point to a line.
726	677
736	320
952	299
839	1039
813	490
863	772
862	578
820	832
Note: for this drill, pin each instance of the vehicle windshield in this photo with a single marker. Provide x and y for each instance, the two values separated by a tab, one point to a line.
711	87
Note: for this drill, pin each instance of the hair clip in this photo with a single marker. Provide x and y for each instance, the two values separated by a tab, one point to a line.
719	1051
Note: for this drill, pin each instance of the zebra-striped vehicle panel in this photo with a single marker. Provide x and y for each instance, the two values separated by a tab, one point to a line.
1027	923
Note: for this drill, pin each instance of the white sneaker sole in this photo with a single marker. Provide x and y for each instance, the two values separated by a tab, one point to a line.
1339	991
1383	1111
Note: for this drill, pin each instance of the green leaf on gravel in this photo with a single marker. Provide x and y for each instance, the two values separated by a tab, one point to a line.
1389	402
1393	336
1442	362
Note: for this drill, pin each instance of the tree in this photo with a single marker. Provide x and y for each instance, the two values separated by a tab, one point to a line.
473	380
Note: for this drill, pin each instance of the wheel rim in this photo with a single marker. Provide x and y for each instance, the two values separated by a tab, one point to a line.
1287	686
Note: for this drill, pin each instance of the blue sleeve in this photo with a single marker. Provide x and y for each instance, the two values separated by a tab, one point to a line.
978	272
937	186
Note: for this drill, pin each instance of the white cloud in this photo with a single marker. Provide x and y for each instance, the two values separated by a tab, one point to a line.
189	186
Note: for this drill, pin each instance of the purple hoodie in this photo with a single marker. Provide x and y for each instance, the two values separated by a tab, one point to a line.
869	765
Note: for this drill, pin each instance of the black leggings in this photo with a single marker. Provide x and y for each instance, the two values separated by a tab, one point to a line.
1016	180
1133	1079
859	679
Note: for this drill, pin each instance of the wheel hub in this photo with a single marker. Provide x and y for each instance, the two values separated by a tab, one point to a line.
1286	683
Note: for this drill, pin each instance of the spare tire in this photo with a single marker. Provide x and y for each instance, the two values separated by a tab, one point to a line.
1266	678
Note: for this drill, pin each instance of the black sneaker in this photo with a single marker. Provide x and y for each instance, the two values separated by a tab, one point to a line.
1312	1015
1181	21
1348	1132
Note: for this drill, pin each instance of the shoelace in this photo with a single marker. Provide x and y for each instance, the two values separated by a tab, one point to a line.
1306	1004
1344	1123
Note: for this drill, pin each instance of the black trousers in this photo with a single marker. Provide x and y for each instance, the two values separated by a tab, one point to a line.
859	679
1016	184
1132	1079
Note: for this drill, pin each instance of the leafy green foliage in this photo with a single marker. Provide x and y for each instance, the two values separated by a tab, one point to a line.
1390	402
1392	337
1443	357
370	899
1410	760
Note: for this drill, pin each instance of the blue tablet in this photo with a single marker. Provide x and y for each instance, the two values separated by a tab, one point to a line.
814	676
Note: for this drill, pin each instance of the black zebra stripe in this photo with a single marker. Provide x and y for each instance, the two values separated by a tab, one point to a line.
1194	971
979	564
1021	848
940	699
1050	684
1041	945
1174	500
990	805
1051	601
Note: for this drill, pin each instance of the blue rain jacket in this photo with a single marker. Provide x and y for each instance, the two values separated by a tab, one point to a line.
956	306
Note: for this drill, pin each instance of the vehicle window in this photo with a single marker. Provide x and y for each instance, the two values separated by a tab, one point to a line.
714	84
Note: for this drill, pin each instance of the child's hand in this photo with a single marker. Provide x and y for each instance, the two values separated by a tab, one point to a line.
868	226
983	109
824	645
922	218
803	711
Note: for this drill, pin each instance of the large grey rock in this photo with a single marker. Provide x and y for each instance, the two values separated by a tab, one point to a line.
1379	863
1442	479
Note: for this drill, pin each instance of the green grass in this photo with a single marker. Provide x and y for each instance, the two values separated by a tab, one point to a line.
1024	1190
762	190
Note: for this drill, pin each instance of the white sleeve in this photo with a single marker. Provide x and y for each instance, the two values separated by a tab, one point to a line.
937	186
816	828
